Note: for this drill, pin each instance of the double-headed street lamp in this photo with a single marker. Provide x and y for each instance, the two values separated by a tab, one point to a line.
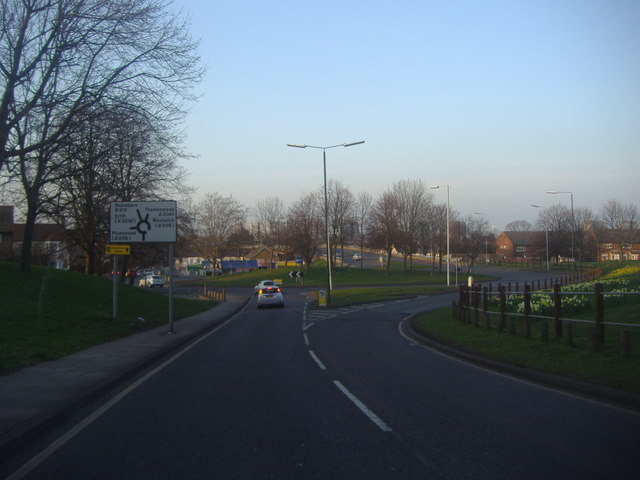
546	235
448	252
573	225
326	203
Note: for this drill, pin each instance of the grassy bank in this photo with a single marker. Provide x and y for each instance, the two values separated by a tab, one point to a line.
47	314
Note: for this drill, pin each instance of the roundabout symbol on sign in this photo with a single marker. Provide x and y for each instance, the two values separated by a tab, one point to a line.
141	225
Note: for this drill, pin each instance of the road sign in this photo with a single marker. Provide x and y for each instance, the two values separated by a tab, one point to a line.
144	222
322	299
118	250
294	274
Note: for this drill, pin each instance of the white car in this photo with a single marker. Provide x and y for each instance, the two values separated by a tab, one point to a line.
356	257
152	281
263	284
270	296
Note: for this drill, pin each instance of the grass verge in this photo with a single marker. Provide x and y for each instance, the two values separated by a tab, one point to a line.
578	362
47	314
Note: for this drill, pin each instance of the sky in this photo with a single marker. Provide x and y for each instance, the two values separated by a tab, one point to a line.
501	100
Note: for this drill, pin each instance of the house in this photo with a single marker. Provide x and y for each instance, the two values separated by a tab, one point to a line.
48	248
520	245
619	244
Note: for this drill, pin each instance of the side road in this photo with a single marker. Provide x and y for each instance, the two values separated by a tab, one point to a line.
32	398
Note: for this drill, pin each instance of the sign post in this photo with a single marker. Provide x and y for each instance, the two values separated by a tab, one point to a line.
116	279
116	250
145	222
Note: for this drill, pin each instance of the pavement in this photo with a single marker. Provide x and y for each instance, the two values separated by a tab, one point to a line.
35	397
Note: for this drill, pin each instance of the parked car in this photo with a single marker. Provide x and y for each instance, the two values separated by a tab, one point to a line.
270	296
263	284
356	257
152	281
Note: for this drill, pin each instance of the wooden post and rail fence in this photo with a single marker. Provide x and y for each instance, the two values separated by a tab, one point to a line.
474	302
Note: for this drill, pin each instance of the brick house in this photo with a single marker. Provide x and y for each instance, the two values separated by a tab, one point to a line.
48	246
623	244
520	245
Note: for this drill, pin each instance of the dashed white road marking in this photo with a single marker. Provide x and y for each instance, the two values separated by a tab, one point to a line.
317	360
363	408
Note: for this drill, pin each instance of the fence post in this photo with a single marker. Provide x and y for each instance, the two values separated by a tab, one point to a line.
599	311
485	307
476	304
557	309
503	307
527	310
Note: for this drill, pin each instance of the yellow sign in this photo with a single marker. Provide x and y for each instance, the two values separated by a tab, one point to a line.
322	299
118	250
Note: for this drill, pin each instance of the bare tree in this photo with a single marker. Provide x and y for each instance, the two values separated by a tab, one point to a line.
113	153
59	58
413	201
219	217
438	230
383	227
477	232
304	230
616	216
518	226
270	214
558	221
361	213
584	245
340	216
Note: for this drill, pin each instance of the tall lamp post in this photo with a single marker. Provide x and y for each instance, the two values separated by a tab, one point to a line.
546	235
326	203
573	225
448	251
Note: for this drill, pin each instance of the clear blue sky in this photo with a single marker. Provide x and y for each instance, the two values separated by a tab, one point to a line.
502	100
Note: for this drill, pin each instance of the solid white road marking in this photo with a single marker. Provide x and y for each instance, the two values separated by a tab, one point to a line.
372	416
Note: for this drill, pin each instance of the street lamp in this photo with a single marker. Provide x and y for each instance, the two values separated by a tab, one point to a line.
546	234
326	203
573	225
448	252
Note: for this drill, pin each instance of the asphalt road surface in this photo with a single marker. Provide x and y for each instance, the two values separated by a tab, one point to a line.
296	393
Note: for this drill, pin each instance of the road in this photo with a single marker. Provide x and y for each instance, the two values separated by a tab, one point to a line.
296	393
